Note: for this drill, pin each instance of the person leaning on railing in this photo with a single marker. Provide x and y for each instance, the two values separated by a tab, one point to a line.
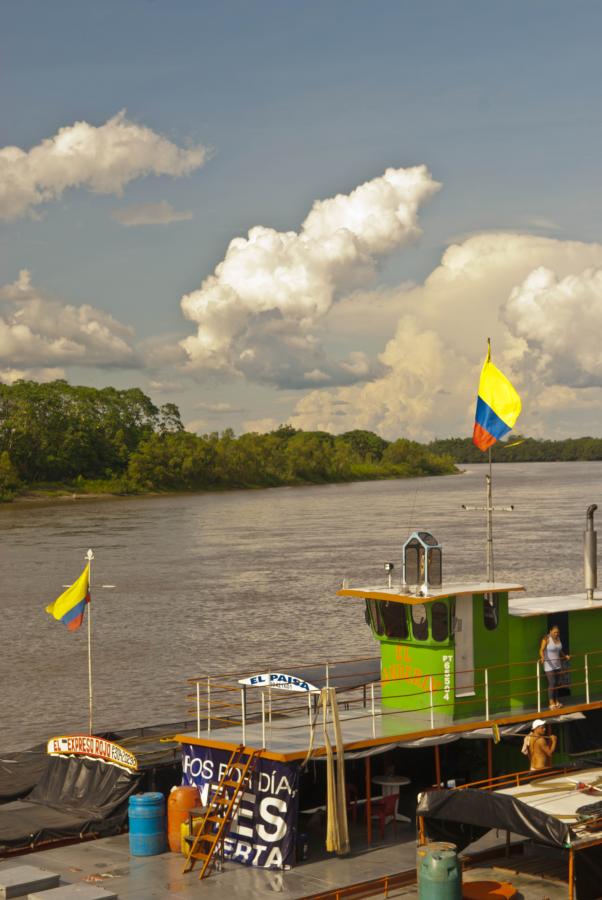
551	656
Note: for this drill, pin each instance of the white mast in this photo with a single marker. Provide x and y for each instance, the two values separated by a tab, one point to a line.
90	557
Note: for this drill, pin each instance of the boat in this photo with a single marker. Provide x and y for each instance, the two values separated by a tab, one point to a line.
457	660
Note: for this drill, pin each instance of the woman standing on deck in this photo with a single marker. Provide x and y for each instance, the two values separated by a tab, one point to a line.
551	655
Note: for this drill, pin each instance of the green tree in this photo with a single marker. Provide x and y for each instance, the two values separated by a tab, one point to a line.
9	479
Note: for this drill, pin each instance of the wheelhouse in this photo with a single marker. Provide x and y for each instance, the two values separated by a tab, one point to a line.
471	649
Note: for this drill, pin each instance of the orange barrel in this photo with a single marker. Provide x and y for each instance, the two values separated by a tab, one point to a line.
180	801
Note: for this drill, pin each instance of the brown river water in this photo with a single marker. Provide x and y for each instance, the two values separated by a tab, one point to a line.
247	579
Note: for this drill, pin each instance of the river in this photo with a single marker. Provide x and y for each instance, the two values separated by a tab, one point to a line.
222	581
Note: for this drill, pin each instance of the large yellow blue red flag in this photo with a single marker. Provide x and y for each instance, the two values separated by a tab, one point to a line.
70	606
498	406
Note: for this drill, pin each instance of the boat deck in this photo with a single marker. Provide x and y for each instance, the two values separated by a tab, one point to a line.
288	738
107	864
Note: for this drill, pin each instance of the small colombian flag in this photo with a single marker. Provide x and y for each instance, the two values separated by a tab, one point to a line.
70	606
498	406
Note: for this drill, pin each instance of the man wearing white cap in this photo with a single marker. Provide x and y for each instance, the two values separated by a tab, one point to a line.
540	746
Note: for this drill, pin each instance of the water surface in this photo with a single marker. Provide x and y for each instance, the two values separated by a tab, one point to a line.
219	582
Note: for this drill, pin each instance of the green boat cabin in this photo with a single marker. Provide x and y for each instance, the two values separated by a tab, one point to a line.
471	649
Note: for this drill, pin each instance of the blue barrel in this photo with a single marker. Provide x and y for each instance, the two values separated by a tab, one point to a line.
146	813
439	875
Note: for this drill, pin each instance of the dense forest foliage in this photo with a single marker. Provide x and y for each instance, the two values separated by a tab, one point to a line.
56	435
521	449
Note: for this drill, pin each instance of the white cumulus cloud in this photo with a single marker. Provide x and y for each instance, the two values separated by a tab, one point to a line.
102	158
39	331
561	321
257	313
261	426
539	299
9	376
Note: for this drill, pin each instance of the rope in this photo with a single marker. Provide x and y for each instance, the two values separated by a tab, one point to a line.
337	833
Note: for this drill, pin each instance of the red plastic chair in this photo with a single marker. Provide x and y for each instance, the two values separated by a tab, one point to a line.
382	809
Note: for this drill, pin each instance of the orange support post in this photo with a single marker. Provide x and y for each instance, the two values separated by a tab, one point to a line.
368	801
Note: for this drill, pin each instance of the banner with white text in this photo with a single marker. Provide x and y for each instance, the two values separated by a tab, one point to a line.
264	829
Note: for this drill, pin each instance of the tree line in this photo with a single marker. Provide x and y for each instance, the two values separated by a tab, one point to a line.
519	448
55	435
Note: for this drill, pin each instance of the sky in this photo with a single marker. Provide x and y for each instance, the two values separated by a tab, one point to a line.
312	213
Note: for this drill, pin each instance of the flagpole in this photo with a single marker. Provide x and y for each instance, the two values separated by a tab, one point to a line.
489	502
498	407
90	557
490	575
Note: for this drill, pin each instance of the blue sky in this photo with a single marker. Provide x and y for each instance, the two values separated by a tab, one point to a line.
294	103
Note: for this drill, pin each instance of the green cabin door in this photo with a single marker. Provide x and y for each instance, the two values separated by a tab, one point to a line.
463	638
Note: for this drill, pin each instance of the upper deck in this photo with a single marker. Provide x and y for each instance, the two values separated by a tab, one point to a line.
452	589
522	607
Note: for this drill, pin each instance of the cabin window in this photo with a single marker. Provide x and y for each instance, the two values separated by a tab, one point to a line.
374	617
394	618
439	622
412	563
420	625
491	611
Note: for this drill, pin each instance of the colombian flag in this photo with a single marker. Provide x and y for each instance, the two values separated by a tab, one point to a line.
69	607
498	406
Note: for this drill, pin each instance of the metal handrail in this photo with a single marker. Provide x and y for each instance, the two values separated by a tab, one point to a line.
486	693
514	779
285	699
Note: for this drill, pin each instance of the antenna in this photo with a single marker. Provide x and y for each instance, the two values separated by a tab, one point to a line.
489	508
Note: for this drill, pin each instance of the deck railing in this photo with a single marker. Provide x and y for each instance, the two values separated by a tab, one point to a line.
497	691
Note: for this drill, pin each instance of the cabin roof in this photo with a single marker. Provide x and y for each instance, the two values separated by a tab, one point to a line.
398	595
523	607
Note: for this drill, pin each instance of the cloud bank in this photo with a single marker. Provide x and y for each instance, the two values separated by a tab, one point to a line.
257	313
538	298
561	321
103	159
40	333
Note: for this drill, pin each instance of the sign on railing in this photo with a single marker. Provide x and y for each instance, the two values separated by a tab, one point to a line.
281	681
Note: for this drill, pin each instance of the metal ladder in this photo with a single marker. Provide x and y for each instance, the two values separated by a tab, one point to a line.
209	839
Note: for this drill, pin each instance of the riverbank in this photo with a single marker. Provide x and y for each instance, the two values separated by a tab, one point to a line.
111	491
58	439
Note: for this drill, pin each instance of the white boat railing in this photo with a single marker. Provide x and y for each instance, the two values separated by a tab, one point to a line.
499	690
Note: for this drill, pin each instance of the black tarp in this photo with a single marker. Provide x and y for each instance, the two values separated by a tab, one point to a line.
75	796
20	771
466	814
158	756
